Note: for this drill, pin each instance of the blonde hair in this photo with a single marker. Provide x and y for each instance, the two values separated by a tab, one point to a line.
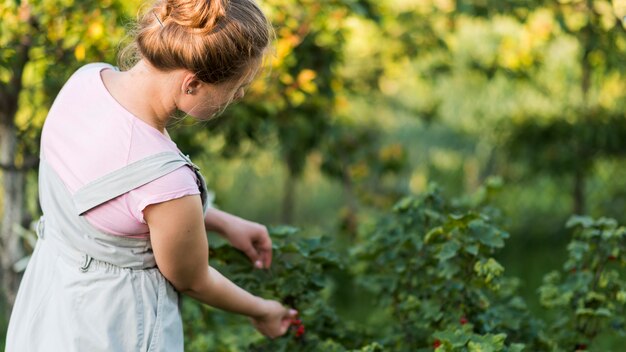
215	39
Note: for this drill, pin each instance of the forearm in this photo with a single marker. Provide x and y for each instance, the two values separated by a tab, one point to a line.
217	291
217	220
249	237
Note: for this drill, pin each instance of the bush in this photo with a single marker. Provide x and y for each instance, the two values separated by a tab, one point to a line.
589	295
299	277
431	265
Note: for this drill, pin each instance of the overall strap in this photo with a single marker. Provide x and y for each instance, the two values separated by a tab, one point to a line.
127	178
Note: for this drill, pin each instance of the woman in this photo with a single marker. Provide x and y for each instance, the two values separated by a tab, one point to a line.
125	211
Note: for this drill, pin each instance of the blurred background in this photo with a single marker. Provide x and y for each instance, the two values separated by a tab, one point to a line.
361	103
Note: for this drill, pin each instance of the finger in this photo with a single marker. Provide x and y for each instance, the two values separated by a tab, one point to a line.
284	326
265	256
264	247
251	252
290	315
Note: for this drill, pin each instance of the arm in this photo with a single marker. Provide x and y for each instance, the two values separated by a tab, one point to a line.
247	236
178	238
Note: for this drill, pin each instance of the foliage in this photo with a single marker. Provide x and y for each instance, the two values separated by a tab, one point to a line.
42	43
431	265
568	147
366	168
295	100
298	278
541	81
434	267
589	295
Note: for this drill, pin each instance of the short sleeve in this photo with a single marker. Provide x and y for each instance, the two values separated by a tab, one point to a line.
176	184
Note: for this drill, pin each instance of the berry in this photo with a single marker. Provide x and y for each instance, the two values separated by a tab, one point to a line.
463	320
296	322
300	331
612	258
436	344
581	347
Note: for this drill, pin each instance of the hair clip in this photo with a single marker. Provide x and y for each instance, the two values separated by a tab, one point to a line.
157	18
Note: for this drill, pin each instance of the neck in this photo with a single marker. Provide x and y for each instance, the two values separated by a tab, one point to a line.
149	95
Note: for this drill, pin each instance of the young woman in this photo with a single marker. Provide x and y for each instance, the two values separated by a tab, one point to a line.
125	211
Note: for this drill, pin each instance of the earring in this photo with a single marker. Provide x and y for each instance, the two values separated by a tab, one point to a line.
189	91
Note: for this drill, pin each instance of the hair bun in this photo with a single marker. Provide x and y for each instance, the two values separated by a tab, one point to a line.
216	40
199	15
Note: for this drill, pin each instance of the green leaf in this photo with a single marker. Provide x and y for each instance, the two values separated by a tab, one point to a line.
433	233
577	249
457	338
607	223
448	250
584	311
282	231
489	269
403	204
472	249
290	248
603	312
486	234
448	270
577	220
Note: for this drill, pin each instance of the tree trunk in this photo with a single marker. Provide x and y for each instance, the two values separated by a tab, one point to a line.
11	249
585	85
289	197
350	220
13	178
579	192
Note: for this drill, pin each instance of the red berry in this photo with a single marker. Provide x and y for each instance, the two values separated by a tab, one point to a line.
436	344
296	322
581	347
300	331
463	320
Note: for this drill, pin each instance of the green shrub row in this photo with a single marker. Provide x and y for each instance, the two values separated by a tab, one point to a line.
430	264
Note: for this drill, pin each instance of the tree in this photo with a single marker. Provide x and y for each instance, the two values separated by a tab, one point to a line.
563	147
296	100
466	54
41	44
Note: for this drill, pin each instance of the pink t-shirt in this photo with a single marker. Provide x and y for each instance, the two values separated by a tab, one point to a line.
88	134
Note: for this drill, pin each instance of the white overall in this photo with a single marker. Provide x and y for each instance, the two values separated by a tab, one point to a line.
88	291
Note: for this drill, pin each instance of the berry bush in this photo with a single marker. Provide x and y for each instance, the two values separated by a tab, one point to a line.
431	266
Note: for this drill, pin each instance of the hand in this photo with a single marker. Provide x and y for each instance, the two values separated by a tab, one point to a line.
252	239
275	320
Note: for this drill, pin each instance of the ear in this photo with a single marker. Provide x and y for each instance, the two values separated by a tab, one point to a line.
190	81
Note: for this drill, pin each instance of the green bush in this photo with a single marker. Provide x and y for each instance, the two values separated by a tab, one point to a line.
431	265
589	296
299	277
